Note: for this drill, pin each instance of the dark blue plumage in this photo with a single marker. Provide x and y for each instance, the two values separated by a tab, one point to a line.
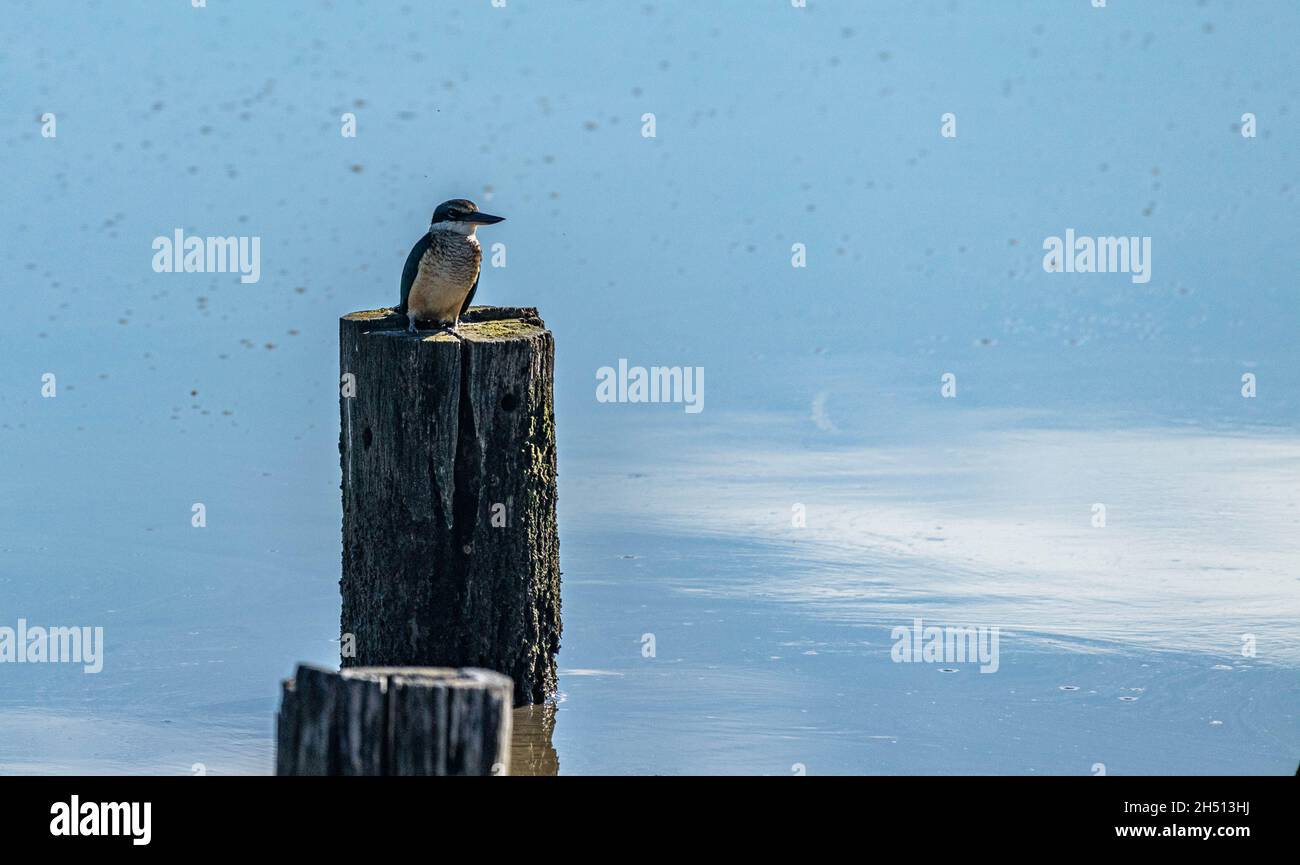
412	268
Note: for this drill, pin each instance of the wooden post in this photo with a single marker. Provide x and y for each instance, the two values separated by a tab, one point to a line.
394	721
450	543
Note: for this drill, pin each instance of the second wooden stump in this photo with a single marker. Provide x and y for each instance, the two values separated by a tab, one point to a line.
450	541
394	721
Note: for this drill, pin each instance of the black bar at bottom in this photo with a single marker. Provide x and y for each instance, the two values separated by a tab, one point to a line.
366	816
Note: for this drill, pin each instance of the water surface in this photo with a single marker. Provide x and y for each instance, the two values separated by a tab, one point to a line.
1120	645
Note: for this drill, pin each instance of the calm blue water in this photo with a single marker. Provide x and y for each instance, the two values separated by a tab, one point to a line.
1120	645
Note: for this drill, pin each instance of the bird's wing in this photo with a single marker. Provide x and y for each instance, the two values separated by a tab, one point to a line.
411	269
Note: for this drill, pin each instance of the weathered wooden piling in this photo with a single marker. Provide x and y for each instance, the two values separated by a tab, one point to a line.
394	721
450	542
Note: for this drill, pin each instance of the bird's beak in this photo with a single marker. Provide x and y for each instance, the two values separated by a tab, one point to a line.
485	219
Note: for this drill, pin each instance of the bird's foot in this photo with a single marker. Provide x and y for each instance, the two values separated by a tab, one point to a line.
410	324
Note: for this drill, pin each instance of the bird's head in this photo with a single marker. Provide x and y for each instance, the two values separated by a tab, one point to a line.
462	216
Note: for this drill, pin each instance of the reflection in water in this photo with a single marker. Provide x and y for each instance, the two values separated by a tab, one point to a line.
994	524
531	751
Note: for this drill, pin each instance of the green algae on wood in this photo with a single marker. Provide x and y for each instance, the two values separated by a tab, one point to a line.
370	314
500	329
478	322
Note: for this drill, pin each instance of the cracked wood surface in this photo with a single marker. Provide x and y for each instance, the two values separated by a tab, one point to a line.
450	539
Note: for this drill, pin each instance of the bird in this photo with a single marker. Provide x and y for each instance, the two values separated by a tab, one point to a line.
442	270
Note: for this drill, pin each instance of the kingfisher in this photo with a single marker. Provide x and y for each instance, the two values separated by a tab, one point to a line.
441	273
